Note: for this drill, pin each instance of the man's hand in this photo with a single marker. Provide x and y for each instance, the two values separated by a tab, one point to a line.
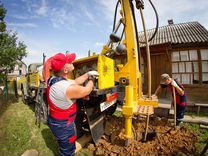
154	96
174	84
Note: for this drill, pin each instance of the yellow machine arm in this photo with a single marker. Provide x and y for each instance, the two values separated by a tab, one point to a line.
133	90
129	72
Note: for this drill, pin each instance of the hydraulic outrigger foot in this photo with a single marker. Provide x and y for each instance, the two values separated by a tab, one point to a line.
128	114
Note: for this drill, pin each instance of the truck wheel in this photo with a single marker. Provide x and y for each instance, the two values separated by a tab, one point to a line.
81	120
25	99
41	108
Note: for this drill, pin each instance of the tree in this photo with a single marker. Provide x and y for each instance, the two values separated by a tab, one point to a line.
11	50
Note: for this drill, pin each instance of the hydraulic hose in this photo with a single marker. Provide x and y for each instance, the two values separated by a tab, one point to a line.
140	6
122	34
115	14
148	54
157	23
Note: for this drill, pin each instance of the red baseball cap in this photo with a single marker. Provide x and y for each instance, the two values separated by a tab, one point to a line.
59	61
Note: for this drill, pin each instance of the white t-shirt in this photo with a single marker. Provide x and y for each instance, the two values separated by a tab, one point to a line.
58	94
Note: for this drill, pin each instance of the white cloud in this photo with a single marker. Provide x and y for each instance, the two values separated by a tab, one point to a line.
107	7
61	18
43	10
70	12
22	25
37	8
30	5
21	17
88	14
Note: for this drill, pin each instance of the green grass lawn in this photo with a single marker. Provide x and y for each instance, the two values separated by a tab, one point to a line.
201	114
202	133
203	136
18	131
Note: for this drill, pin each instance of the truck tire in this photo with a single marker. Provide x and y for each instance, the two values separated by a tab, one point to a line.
24	97
41	107
81	120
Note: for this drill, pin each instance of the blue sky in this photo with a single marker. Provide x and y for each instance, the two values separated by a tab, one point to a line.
53	26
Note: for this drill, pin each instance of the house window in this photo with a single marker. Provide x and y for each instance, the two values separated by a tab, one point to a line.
185	66
204	58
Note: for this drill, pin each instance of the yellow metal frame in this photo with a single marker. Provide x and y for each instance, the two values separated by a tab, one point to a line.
34	80
148	102
106	71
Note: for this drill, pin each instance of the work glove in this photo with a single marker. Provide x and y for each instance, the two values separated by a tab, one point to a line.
93	73
174	84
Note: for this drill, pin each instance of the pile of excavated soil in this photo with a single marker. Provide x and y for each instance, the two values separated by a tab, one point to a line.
162	139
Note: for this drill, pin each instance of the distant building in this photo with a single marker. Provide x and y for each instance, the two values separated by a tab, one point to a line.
180	50
19	70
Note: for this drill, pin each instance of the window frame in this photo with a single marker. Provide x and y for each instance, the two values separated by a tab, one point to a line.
192	73
203	60
198	61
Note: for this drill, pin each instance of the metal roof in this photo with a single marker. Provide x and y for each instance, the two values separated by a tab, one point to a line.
191	32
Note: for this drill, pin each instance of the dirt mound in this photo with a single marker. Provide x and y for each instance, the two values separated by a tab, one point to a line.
162	139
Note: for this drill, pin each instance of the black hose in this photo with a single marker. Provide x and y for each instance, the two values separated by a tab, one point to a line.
115	14
122	34
157	20
157	23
